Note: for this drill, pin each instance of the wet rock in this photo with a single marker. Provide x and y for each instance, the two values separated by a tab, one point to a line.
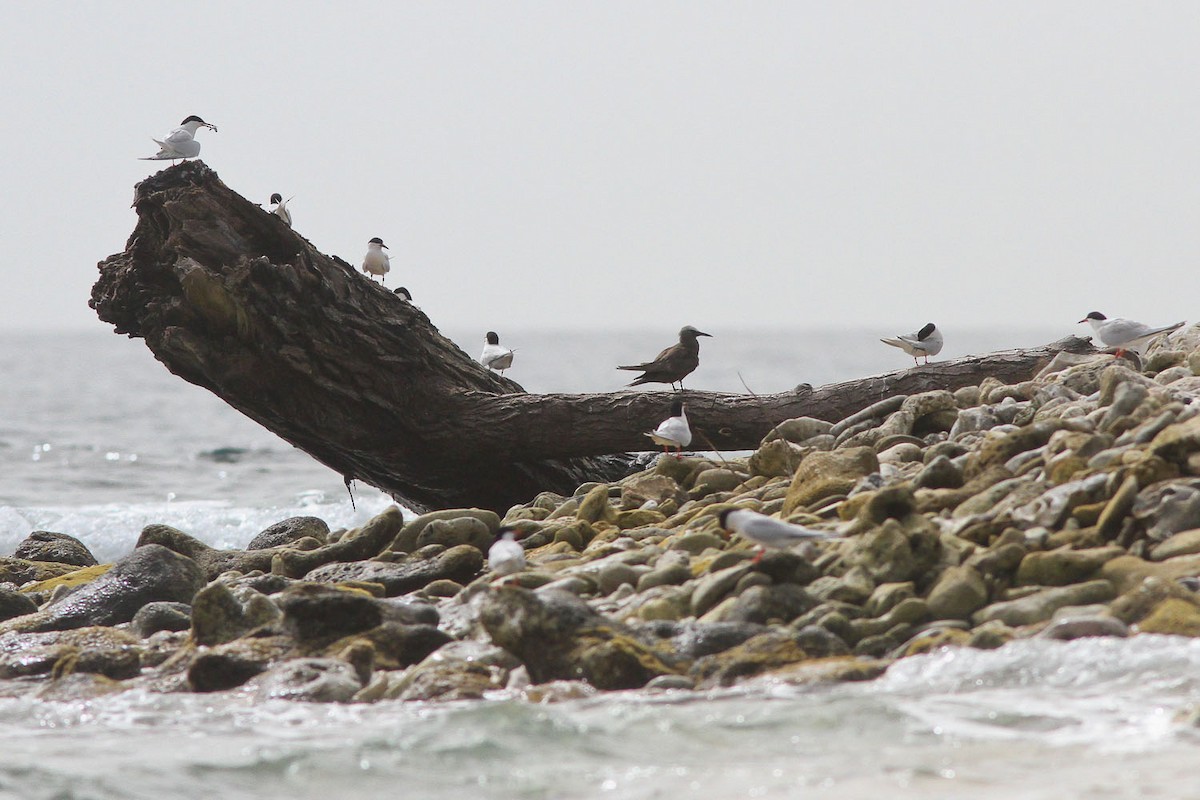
55	547
557	636
1063	567
822	474
93	650
314	613
1050	508
958	593
312	680
161	616
1040	606
230	665
146	575
406	541
355	545
395	645
218	615
289	531
446	681
15	604
460	564
694	640
1079	627
768	651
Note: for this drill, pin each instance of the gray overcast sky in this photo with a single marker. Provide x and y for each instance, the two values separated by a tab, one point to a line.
611	163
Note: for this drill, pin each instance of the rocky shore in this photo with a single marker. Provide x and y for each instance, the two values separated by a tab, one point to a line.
1061	507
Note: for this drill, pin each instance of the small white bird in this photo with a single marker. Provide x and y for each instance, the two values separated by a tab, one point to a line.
180	142
495	356
673	431
925	342
767	531
376	262
281	210
506	556
1124	334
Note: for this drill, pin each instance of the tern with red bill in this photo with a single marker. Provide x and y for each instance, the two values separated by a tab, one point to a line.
1124	334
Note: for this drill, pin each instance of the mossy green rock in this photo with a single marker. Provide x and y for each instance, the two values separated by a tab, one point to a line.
959	593
558	636
1173	616
822	474
891	552
595	506
1063	567
1040	606
406	541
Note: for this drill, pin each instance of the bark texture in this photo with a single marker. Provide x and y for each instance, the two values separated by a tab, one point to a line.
230	298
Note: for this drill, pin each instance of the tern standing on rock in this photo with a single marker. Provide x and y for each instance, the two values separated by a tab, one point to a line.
673	431
925	342
495	355
673	364
1124	334
180	142
506	556
281	210
767	531
376	262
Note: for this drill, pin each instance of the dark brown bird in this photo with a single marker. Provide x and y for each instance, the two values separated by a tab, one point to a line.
673	364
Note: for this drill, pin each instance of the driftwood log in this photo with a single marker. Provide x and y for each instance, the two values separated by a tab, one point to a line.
230	298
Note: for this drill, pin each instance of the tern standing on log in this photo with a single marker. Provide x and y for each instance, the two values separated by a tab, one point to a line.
376	262
767	531
495	356
673	364
925	342
673	431
1124	334
281	210
180	142
506	556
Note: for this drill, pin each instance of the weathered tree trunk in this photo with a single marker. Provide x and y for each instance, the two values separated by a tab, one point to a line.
229	298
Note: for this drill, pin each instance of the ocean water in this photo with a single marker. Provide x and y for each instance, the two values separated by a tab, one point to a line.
97	440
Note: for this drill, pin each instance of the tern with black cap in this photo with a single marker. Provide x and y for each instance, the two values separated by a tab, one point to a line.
376	262
180	142
1124	334
925	342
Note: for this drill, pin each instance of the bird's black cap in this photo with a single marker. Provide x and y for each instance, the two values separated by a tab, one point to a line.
378	241
926	332
193	118
405	293
492	338
277	198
